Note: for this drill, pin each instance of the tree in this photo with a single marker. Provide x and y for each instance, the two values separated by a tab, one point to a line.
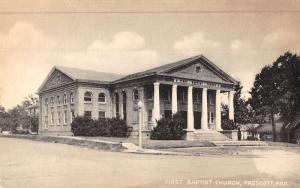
19	118
276	89
243	112
30	100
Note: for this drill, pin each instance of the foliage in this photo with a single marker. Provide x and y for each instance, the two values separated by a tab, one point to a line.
244	113
17	120
276	89
34	121
228	124
29	100
169	129
84	126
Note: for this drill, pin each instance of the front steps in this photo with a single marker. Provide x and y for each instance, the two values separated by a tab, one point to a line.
209	135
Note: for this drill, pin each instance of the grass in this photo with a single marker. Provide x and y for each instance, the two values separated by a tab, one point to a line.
158	144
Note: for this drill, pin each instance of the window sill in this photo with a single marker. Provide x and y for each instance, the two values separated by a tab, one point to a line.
86	102
102	102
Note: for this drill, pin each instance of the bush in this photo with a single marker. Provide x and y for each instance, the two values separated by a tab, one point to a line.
228	125
169	129
83	126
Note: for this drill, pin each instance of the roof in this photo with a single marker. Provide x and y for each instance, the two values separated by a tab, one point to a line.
162	70
104	77
88	75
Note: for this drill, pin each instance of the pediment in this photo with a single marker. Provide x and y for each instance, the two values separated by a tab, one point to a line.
55	79
198	71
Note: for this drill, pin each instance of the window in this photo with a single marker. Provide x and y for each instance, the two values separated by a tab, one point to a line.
210	99
51	101
101	114
46	101
135	95
65	117
58	118
72	116
124	105
58	99
183	96
198	69
72	97
197	96
117	104
211	117
52	118
65	99
166	95
88	96
101	98
150	94
88	114
149	115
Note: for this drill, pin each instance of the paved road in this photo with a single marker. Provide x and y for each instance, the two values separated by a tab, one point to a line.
25	163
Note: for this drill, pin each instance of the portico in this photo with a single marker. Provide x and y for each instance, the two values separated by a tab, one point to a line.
203	106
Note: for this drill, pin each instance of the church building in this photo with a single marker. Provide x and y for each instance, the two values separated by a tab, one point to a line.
191	86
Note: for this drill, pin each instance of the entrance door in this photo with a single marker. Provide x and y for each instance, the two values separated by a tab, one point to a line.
197	120
168	114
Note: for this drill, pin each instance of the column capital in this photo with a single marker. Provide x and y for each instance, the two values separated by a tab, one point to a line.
156	83
174	86
190	88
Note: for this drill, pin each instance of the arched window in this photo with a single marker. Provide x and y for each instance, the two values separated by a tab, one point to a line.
135	95
72	97
101	97
88	96
65	99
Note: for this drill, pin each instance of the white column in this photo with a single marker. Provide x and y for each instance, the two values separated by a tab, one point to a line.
204	110
156	103
218	110
190	110
174	99
230	105
142	100
121	105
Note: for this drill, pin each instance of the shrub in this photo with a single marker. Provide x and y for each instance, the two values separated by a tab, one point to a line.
169	129
118	127
83	126
228	124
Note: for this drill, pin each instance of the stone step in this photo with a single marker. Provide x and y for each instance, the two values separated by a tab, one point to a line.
208	135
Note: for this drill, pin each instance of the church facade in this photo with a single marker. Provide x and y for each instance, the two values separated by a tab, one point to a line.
191	86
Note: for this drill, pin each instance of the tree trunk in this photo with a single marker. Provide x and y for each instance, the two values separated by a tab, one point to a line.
273	127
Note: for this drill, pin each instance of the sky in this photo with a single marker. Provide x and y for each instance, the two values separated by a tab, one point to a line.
128	36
